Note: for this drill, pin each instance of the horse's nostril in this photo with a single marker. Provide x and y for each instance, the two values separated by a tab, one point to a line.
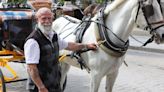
162	35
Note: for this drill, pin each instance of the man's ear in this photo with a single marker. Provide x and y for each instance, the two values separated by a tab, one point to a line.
53	17
36	19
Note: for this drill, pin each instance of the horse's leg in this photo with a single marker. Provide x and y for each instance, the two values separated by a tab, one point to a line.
110	80
64	69
95	81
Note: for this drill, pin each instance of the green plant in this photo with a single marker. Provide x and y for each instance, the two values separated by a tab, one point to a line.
61	1
16	1
100	1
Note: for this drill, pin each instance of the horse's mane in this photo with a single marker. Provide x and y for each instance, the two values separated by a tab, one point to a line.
113	5
92	9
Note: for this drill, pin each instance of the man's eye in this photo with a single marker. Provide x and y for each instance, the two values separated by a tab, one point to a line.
46	18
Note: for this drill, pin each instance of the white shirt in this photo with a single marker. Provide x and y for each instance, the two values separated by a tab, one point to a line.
32	50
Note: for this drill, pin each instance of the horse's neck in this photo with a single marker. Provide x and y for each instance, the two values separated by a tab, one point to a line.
121	19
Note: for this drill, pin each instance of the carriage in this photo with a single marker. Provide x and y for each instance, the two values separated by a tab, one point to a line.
16	23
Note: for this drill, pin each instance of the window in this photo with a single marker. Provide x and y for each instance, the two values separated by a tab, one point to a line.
17	31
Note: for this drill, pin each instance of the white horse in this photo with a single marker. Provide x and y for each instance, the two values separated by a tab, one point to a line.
119	21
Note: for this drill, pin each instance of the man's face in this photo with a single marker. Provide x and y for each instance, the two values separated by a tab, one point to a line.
45	22
45	19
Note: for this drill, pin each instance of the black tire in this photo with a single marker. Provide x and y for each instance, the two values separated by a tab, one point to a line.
2	82
65	82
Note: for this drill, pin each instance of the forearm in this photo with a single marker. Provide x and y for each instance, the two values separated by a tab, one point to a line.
34	74
76	46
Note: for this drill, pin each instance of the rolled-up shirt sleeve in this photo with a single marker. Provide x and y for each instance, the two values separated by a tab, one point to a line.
62	43
31	51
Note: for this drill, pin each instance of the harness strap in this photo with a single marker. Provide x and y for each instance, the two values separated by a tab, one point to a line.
79	59
137	12
148	41
159	22
80	30
73	21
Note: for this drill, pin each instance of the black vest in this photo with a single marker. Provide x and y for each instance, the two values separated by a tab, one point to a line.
48	67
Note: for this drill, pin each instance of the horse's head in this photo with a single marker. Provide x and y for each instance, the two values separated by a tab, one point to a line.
154	18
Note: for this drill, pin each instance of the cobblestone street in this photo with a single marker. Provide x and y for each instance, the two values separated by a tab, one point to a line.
145	73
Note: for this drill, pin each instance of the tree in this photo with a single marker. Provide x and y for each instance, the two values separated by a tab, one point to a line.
84	3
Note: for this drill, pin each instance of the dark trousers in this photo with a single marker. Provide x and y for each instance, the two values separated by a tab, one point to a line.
36	90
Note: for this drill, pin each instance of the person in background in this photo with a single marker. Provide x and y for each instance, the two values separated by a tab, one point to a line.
41	51
72	10
92	9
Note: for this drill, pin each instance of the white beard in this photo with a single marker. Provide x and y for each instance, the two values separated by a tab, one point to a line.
45	29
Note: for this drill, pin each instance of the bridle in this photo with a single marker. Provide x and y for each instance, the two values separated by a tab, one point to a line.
148	11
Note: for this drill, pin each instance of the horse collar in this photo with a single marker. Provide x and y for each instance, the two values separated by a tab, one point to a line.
105	41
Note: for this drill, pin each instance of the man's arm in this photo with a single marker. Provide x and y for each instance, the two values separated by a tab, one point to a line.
79	46
34	74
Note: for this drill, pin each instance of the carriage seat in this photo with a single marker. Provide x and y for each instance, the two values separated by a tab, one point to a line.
13	26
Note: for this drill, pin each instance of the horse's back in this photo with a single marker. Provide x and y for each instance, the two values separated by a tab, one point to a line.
64	22
65	26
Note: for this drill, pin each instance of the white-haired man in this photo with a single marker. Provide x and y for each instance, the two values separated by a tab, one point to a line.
41	54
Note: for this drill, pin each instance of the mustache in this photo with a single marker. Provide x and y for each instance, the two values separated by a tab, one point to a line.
45	27
46	24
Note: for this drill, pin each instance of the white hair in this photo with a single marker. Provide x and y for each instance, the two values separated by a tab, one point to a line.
43	10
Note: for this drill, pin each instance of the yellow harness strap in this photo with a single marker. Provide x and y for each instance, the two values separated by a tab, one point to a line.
62	57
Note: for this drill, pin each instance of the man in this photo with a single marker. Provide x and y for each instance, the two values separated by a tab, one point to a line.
41	54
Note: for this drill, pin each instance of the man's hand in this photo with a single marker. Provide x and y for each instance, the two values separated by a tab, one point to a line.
34	74
91	46
43	89
80	46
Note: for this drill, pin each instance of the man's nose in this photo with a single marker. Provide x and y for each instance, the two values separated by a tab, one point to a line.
48	20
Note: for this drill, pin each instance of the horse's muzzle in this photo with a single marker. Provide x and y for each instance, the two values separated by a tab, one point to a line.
159	38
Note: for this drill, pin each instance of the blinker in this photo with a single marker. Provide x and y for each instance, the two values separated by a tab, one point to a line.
148	10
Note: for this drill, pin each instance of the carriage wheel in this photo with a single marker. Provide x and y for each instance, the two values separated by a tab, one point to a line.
2	82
